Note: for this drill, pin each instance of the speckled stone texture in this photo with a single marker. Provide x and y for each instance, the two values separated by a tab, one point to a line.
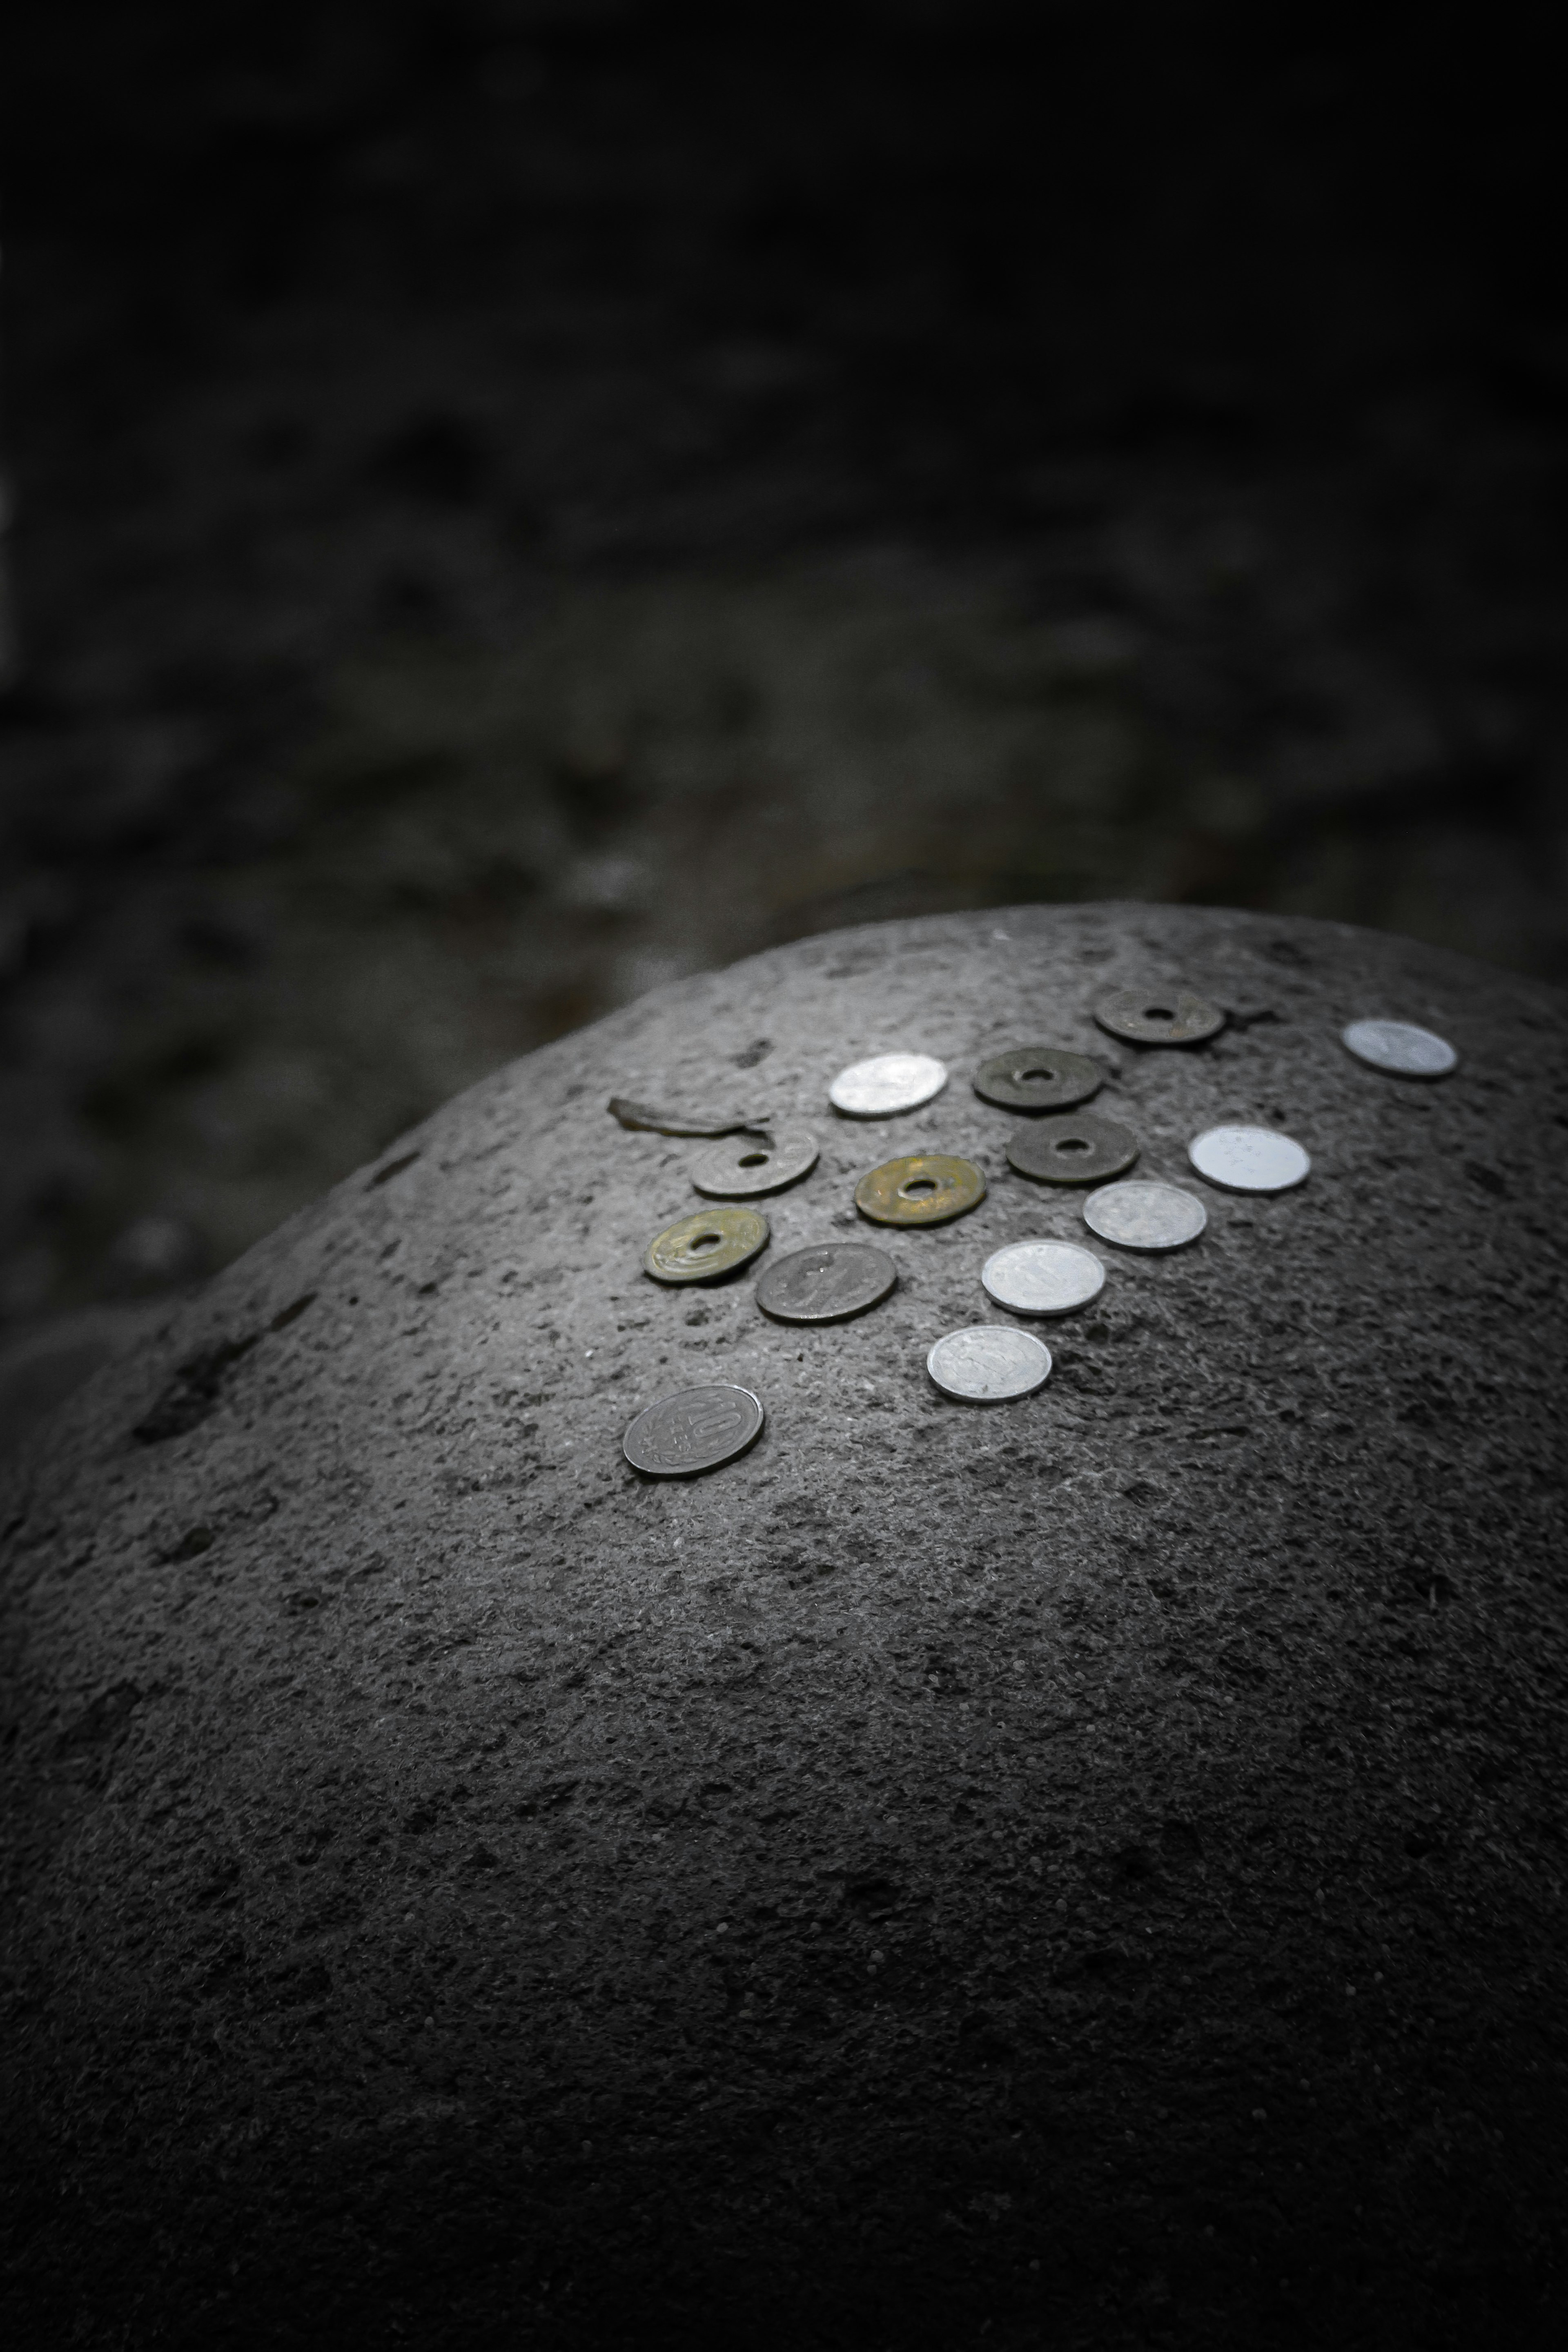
1083	1873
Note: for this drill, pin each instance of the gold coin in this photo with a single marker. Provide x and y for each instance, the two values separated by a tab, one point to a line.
699	1248
924	1190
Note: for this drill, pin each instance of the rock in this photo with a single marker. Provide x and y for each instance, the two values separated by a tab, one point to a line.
905	1888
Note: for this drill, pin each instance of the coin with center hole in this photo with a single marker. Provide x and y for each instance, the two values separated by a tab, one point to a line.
1038	1078
989	1363
926	1188
1077	1147
1145	1217
699	1248
1171	1016
1249	1159
1043	1277
692	1431
886	1084
1399	1046
826	1285
744	1165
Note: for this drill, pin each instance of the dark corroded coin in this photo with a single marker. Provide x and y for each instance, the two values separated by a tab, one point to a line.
1078	1148
746	1165
695	1429
826	1285
1038	1078
1171	1016
926	1189
699	1248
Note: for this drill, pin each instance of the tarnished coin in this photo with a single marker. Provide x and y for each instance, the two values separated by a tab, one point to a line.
826	1285
1399	1046
1078	1146
1248	1159
925	1189
694	1429
746	1165
1159	1016
888	1083
1145	1217
988	1363
1038	1078
1043	1277
713	1241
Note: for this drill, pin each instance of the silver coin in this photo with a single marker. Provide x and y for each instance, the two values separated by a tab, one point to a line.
1043	1277
989	1363
1140	1215
886	1084
1171	1016
1249	1159
1401	1047
694	1429
826	1285
744	1165
1077	1147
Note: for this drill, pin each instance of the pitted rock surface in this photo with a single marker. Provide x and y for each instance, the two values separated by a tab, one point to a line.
1085	1872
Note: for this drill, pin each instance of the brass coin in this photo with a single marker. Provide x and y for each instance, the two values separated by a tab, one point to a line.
1038	1078
1154	1016
1078	1148
699	1248
924	1190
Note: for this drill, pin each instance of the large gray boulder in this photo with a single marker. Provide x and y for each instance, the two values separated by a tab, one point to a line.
1085	1872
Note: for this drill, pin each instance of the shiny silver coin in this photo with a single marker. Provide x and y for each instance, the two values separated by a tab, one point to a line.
744	1166
1038	1078
1158	1017
1078	1146
1249	1159
988	1364
1145	1217
694	1429
1401	1047
826	1285
886	1084
1043	1277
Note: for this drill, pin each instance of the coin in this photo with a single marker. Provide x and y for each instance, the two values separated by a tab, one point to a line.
888	1083
1159	1016
1400	1046
699	1248
695	1429
989	1363
1248	1159
1038	1078
826	1285
746	1165
1145	1217
926	1188
1078	1146
1043	1277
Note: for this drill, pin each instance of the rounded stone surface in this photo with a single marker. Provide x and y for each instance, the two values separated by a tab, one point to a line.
1043	1277
1249	1159
693	1431
1399	1047
744	1167
828	1284
1158	1017
989	1363
1143	1216
1078	1148
703	1247
1038	1078
887	1084
925	1188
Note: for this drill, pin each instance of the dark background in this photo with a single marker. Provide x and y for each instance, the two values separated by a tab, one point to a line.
516	502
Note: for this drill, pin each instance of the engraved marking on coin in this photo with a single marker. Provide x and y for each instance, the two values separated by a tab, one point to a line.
1041	1277
692	1431
1077	1147
1399	1047
1038	1078
700	1248
1249	1159
886	1084
989	1363
827	1283
1159	1016
747	1165
926	1188
1145	1217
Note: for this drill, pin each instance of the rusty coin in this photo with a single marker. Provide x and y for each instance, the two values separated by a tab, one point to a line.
699	1248
692	1431
1038	1078
1076	1148
1155	1016
826	1285
926	1188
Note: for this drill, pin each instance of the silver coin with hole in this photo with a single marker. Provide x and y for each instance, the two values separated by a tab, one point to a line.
692	1431
826	1285
744	1165
1043	1277
1399	1046
1249	1159
989	1363
1172	1017
1077	1147
1145	1217
886	1084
